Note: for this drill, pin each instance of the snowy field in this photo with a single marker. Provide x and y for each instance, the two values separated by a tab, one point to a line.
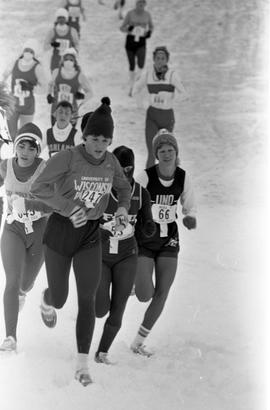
210	342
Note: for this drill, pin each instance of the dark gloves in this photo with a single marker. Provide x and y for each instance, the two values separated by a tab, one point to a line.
26	86
55	44
148	34
50	99
149	228
130	28
79	96
189	222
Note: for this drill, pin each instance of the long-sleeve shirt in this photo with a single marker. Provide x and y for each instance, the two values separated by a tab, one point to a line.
72	178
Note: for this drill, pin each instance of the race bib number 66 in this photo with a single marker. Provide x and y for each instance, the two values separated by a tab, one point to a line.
164	213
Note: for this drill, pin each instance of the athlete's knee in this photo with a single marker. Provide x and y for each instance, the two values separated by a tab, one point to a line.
86	304
101	311
58	304
143	295
56	301
141	63
12	283
115	321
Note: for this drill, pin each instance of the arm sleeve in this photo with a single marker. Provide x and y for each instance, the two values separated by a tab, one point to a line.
52	81
75	38
41	77
151	25
3	171
142	178
122	186
86	86
48	40
43	188
140	83
145	211
126	23
176	81
187	199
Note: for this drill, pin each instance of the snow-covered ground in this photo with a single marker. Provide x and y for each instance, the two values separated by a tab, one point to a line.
210	342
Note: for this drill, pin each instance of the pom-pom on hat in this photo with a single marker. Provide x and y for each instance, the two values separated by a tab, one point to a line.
101	121
29	132
164	137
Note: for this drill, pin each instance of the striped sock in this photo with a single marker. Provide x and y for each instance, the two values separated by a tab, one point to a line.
141	335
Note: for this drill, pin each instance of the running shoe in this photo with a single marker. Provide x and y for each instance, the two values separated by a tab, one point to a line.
48	313
9	345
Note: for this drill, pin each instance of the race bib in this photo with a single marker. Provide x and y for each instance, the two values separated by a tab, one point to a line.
91	198
127	232
164	213
27	218
64	44
138	32
113	249
65	94
19	93
160	99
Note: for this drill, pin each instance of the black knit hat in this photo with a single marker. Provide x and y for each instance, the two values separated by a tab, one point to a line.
124	155
101	121
85	118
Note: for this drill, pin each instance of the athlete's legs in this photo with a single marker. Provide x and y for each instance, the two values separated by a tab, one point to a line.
131	62
103	300
122	281
57	269
165	270
144	286
34	257
87	265
155	120
13	258
131	59
1	209
165	119
141	53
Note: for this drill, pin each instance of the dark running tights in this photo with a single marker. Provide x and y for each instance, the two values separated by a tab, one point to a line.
21	266
138	53
120	278
87	270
